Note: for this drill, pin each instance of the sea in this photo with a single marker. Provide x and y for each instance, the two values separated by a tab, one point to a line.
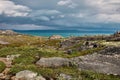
64	33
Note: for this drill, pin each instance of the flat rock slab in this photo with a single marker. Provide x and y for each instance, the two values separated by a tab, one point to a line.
53	62
108	64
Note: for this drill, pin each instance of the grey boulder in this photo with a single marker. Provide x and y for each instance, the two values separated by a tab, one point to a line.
53	62
28	75
107	64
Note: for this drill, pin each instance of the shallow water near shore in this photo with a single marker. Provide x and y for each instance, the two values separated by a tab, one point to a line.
64	33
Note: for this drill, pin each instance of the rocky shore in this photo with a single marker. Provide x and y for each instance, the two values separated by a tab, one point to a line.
24	57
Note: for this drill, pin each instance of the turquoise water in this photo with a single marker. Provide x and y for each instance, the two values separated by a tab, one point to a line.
64	33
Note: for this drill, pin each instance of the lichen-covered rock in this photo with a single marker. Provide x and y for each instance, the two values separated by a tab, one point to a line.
53	62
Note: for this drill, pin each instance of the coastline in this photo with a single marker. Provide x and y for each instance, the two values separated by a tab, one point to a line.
64	33
58	57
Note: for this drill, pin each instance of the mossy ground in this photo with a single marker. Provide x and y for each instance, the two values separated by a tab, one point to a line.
2	66
32	48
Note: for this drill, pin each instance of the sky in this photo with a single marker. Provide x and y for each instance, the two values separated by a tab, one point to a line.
60	14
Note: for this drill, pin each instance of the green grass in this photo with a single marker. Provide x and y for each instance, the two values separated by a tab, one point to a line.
17	41
23	50
31	51
20	67
24	60
2	66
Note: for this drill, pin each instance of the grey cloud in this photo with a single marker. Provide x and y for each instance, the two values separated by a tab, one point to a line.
49	13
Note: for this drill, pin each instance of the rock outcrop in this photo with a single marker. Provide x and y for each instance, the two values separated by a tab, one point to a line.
106	61
117	34
111	51
53	62
114	37
8	32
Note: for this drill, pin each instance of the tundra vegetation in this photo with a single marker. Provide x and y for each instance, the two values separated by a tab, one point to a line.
32	48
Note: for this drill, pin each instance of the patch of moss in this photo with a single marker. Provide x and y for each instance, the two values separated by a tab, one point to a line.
2	66
47	72
51	53
24	60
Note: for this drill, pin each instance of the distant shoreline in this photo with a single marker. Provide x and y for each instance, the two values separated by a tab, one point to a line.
64	33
